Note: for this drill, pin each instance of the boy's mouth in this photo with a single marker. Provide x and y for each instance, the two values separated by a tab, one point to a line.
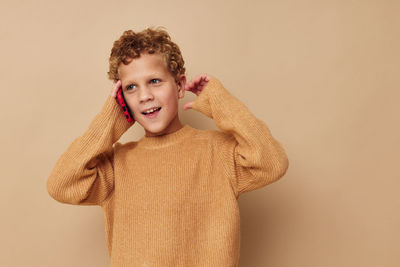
151	113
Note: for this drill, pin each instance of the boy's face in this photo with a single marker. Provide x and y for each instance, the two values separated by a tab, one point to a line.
147	83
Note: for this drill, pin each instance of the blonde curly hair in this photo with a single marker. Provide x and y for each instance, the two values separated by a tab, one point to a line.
130	45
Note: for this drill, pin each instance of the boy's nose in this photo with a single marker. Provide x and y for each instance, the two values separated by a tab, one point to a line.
145	94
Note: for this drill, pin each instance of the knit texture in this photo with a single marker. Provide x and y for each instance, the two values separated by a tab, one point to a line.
171	200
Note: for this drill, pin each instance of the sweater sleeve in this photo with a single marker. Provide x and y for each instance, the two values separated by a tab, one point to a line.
258	158
84	173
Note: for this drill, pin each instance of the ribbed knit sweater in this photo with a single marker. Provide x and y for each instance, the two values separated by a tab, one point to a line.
171	200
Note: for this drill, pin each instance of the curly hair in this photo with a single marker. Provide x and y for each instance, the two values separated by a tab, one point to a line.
130	45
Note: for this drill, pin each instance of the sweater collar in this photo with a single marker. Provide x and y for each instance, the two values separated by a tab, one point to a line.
166	139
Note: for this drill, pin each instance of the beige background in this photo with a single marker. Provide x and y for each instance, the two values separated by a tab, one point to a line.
323	75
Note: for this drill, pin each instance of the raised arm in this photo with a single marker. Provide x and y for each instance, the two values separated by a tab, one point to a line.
259	159
84	173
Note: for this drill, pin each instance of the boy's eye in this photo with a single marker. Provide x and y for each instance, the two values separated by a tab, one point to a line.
129	87
154	80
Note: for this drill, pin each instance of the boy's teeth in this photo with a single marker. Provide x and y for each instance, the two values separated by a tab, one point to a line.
150	111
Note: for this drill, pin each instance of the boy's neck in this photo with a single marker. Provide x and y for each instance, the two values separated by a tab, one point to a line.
174	126
166	140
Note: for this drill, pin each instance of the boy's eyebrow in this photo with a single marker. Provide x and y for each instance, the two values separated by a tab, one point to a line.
127	82
147	78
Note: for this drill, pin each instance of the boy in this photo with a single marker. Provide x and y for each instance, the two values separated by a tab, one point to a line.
170	198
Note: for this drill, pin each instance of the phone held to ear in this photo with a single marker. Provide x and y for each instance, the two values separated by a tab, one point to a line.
124	106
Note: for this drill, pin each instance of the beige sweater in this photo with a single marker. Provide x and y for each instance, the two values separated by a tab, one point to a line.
171	200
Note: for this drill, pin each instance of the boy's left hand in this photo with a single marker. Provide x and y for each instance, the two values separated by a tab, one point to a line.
196	86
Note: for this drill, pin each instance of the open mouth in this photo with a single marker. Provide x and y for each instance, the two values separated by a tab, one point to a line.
152	113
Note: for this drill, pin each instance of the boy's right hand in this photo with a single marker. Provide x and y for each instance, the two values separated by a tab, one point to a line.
116	86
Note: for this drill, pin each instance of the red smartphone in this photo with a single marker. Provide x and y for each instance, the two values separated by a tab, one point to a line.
124	106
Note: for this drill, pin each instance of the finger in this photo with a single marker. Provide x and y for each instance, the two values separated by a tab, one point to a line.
197	81
203	80
115	83
201	85
196	85
203	76
206	78
191	86
115	89
187	86
194	91
188	105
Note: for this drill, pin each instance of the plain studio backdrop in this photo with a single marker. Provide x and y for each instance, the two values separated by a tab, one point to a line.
323	75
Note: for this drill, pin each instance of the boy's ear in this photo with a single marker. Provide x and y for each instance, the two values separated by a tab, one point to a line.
181	85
